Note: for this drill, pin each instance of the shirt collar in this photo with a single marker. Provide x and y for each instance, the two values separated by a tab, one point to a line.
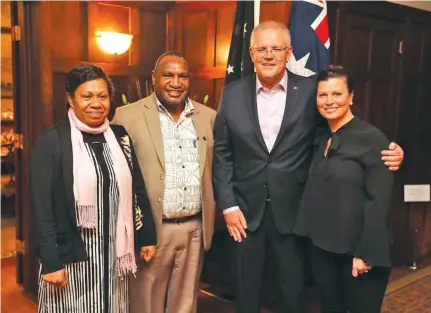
282	83
188	109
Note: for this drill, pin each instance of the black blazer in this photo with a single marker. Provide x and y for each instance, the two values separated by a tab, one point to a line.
58	237
244	172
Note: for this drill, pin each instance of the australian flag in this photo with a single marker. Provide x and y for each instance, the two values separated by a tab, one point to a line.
239	63
310	37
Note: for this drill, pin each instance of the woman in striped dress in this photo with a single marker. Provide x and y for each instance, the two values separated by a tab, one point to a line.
90	204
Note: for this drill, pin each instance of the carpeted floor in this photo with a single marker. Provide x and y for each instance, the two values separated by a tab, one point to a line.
8	239
410	294
413	298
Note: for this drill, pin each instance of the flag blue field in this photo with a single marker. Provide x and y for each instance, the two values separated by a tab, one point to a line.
310	37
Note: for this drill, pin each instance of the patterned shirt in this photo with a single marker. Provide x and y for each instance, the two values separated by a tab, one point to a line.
182	192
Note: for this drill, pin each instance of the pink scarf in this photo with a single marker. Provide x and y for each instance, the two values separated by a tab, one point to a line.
85	189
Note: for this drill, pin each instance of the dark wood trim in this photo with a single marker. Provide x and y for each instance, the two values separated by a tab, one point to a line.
179	32
84	34
149	6
194	6
214	72
380	9
6	30
16	19
62	66
7	122
29	118
211	38
169	32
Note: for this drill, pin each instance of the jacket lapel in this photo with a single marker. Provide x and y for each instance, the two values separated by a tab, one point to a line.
200	130
151	115
67	166
251	103
291	105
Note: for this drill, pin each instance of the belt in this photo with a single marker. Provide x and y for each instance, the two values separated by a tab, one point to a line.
181	220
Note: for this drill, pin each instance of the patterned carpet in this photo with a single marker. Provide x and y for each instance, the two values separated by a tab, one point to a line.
414	298
407	293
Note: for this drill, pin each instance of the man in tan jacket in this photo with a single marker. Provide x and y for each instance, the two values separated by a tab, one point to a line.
173	139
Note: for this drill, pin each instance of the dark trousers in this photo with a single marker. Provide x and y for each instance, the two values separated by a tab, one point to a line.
339	290
249	261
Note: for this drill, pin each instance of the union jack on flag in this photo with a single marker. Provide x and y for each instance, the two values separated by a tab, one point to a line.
310	37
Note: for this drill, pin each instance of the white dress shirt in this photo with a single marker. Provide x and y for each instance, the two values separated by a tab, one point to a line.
270	110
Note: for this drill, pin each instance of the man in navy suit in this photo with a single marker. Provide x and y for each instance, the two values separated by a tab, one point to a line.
264	134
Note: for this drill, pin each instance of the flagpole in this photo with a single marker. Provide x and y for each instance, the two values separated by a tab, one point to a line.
256	12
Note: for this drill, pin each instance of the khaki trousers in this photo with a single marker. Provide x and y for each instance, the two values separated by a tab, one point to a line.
169	283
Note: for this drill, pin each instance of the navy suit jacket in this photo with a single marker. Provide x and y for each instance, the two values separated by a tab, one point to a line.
245	173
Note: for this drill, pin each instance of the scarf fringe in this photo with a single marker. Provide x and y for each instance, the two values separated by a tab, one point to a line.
126	264
87	216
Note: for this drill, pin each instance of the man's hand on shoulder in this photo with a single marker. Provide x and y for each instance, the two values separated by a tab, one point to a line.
393	157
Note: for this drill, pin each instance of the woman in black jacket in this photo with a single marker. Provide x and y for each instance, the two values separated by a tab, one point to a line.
90	204
344	209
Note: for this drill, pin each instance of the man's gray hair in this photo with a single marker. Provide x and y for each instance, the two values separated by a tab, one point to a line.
270	25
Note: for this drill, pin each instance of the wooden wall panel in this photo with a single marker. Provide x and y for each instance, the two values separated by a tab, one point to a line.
357	42
153	37
148	28
68	30
135	52
60	106
107	17
275	10
200	87
218	87
122	85
225	20
202	31
195	43
387	47
44	38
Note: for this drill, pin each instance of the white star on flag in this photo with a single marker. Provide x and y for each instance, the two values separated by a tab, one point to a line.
229	69
298	67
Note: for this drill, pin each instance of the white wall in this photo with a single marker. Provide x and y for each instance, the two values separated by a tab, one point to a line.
423	5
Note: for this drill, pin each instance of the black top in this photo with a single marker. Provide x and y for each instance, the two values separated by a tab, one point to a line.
95	143
346	199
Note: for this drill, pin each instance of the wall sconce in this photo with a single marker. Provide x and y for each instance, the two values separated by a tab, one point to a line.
113	43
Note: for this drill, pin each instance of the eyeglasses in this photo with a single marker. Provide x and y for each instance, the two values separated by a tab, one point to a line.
261	51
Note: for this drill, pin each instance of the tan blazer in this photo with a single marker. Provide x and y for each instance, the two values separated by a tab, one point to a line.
141	120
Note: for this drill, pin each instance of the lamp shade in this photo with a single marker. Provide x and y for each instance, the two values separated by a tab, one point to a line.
113	43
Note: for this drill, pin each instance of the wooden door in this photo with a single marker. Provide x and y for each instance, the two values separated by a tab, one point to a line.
389	56
29	122
18	130
412	221
370	53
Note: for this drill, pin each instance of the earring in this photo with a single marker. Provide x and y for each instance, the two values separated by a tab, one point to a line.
351	103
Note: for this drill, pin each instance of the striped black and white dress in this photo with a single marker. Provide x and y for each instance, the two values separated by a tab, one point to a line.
93	285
